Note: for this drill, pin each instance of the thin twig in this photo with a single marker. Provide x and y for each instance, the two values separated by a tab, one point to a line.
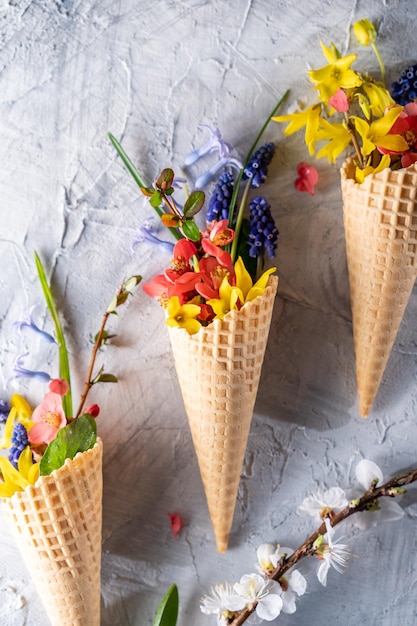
89	383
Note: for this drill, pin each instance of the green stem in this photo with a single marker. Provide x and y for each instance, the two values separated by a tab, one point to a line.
239	220
136	176
381	63
64	369
248	156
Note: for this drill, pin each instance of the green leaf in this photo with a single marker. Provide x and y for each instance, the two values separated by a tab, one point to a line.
156	199
127	162
105	378
165	179
105	336
78	436
194	203
112	306
131	283
64	369
191	230
167	613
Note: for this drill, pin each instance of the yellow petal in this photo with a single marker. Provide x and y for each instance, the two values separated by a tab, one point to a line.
191	326
173	306
33	473
190	310
11	476
243	279
22	406
259	287
25	462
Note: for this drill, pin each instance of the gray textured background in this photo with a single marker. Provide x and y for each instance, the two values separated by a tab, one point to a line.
150	72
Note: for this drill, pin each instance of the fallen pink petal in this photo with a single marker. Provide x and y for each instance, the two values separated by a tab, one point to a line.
176	524
308	178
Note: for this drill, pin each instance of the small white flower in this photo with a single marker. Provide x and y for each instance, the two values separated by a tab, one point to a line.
322	503
386	509
293	584
264	553
267	593
222	602
331	553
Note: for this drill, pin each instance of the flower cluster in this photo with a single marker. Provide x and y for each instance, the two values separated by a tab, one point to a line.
220	268
39	440
355	109
279	584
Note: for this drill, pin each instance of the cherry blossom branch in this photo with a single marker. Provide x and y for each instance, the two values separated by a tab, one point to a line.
392	488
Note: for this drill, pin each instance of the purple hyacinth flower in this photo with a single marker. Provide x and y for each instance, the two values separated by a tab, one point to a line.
4	410
214	142
146	233
20	371
28	322
204	179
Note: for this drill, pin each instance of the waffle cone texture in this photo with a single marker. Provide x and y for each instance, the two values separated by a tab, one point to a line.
380	218
57	526
218	370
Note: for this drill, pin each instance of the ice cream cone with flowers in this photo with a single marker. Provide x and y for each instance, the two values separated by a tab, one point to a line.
218	300
51	481
378	190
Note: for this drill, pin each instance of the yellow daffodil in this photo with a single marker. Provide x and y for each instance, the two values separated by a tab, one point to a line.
361	174
183	315
308	118
18	479
23	409
365	32
338	138
337	74
379	98
233	297
377	134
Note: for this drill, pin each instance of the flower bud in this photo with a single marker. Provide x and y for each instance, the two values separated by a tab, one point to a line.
93	410
365	32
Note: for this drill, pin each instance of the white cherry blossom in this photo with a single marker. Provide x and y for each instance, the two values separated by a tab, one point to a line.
267	593
331	553
322	503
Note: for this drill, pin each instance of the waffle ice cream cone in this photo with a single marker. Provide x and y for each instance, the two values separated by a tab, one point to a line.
218	370
380	218
57	526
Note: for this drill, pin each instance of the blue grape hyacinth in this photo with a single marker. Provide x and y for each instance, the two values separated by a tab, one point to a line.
404	89
218	208
19	442
263	234
257	167
4	410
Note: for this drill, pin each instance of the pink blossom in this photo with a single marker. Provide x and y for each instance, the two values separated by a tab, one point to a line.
49	417
339	101
59	386
307	179
176	524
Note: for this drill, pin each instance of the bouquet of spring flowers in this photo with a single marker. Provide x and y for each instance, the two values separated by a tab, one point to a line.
218	300
379	181
51	481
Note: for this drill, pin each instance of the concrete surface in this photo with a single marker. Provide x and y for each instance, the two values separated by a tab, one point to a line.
150	72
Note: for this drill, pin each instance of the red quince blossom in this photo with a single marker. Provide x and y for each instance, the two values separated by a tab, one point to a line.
307	179
49	417
93	410
219	235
